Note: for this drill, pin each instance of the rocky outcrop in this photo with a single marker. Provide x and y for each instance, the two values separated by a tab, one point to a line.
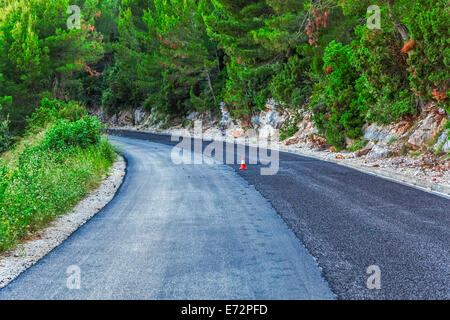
382	140
124	118
140	116
383	134
364	151
426	131
443	143
378	152
226	116
193	116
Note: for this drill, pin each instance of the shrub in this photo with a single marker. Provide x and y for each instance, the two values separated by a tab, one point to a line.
338	112
37	188
5	134
65	134
51	110
427	21
292	84
247	89
383	85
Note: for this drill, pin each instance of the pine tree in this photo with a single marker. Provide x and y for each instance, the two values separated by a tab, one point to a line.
232	24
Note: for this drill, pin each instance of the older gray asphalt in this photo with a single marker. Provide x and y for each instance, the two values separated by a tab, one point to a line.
178	232
349	220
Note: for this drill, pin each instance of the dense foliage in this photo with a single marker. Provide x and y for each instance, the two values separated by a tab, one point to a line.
5	134
176	56
57	163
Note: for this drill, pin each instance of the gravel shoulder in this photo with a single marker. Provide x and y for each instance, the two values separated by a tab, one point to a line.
16	261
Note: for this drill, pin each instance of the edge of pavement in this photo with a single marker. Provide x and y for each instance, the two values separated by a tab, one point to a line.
17	260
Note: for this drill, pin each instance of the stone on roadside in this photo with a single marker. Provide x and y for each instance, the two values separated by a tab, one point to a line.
364	151
238	133
443	143
379	152
193	115
426	131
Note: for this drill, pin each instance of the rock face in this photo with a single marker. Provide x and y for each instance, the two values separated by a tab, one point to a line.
443	143
364	151
226	117
379	152
193	115
256	120
139	116
125	118
273	118
426	131
378	133
267	131
383	140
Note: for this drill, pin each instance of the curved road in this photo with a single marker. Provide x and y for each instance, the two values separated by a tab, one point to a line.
178	232
349	220
200	231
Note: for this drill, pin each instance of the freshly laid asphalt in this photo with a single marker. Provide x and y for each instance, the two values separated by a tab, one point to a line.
203	232
349	220
177	232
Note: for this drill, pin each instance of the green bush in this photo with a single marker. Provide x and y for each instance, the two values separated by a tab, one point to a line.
429	62
48	177
52	110
247	89
5	134
38	188
65	134
337	110
291	84
383	85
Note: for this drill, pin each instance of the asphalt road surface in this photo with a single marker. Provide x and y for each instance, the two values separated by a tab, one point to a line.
177	232
349	221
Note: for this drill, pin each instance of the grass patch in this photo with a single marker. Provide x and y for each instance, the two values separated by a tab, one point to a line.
358	145
392	140
48	173
290	128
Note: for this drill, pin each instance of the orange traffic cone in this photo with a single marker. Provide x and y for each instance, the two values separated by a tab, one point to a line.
243	166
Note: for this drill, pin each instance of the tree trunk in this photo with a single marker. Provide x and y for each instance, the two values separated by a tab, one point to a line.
58	91
210	85
400	27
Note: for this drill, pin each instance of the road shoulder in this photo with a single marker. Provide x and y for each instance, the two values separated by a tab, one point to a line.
25	255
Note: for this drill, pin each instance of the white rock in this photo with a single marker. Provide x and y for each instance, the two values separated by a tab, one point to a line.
375	132
378	152
267	131
443	143
139	116
425	131
193	116
256	120
272	118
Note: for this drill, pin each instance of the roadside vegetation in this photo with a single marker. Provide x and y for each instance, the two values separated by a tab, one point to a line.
175	57
61	157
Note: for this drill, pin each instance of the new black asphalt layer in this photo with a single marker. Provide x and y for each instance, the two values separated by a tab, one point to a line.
349	220
177	232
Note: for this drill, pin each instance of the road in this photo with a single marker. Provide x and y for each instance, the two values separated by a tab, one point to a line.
177	232
349	220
